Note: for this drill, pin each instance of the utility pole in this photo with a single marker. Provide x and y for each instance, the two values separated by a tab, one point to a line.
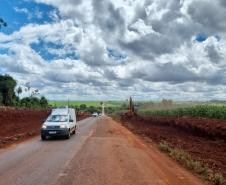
68	104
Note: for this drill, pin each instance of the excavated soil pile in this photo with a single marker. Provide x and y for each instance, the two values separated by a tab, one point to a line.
204	139
20	124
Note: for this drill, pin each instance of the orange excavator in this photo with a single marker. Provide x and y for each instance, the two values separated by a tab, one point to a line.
131	109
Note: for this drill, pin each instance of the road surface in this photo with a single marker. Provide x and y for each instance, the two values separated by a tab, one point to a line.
101	153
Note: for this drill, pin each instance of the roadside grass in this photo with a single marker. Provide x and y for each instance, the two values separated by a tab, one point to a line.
186	160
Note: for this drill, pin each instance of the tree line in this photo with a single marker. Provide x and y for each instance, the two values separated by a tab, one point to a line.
9	95
91	109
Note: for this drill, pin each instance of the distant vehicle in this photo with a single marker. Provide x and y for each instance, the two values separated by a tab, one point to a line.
61	122
95	114
100	114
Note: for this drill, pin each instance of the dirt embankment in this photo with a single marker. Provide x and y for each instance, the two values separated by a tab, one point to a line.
204	139
203	127
20	124
82	116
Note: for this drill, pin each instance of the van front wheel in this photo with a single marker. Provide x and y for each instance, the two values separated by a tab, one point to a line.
68	135
74	130
43	137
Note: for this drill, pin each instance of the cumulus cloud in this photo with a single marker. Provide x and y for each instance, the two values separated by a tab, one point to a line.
204	13
113	49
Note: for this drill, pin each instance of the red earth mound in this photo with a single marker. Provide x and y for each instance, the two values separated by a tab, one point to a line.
20	124
204	139
209	128
82	116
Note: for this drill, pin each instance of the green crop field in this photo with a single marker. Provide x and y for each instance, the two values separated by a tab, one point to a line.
206	111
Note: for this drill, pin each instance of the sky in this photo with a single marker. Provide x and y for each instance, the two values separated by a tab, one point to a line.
113	49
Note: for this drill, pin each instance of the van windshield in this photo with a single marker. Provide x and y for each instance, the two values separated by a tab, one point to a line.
58	118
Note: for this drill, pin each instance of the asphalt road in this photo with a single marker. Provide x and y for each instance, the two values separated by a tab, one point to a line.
101	153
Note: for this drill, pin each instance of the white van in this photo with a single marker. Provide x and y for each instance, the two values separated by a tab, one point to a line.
61	122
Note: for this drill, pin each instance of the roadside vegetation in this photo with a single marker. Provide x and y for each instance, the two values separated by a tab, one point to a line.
188	162
10	95
90	106
86	103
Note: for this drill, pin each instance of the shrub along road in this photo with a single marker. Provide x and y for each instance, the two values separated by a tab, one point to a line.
103	152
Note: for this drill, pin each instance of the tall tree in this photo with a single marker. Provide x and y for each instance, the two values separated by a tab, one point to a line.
7	86
19	91
43	102
1	99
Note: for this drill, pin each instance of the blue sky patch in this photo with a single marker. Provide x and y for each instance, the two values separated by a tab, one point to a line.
2	70
201	37
19	13
4	51
52	51
115	55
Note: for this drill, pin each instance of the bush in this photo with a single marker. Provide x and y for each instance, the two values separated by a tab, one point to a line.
43	102
83	107
33	102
